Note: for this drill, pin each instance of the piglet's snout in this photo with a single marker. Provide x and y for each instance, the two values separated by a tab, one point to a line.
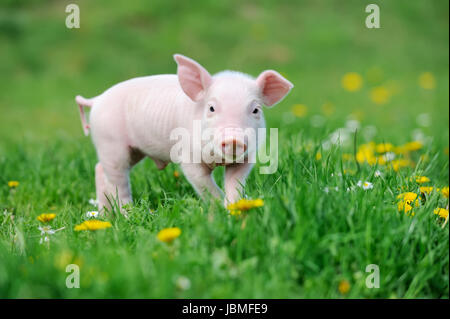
231	143
233	147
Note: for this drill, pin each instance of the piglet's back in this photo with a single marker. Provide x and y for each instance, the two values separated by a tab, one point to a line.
143	111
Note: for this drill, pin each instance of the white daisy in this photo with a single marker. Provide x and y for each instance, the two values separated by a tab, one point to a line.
93	202
367	185
46	230
377	173
183	283
92	214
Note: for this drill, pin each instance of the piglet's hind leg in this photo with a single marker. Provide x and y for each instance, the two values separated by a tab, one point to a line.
100	187
112	176
107	192
117	186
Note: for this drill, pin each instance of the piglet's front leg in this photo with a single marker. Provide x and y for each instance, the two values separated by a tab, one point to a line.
235	176
200	177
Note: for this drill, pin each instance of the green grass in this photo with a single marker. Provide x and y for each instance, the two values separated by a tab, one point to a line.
304	241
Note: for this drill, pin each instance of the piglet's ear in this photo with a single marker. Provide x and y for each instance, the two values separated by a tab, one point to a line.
273	86
193	78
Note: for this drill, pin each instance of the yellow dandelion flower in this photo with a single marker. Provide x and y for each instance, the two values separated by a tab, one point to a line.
408	196
444	191
380	95
384	148
351	82
361	157
92	224
45	218
168	235
246	204
426	189
13	184
366	153
442	212
176	174
422	179
409	147
413	146
344	287
404	206
427	81
407	202
299	110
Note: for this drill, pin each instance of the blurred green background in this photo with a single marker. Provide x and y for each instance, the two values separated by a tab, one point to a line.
313	43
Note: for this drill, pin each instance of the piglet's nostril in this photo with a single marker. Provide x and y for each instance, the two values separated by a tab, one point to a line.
234	145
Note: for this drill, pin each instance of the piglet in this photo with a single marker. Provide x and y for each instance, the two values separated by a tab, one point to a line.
136	119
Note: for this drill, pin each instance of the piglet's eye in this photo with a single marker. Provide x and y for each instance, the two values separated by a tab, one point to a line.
211	108
255	111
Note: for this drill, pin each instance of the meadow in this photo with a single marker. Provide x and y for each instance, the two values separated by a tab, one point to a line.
363	155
